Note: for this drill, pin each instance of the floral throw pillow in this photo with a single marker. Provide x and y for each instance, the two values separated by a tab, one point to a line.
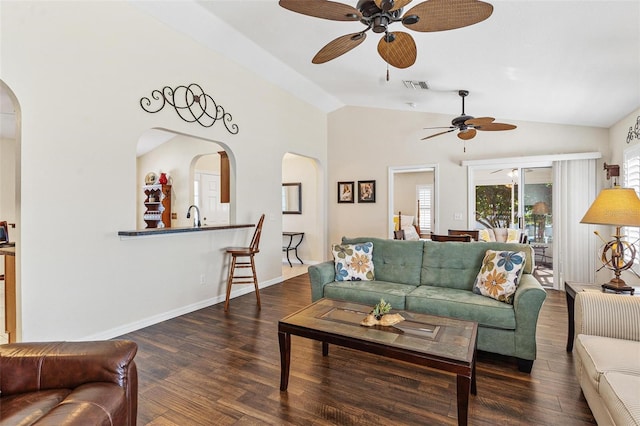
499	275
354	262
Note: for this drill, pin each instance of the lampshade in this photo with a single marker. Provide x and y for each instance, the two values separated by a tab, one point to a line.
615	206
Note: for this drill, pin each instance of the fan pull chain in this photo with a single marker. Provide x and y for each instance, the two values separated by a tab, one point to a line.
464	146
387	71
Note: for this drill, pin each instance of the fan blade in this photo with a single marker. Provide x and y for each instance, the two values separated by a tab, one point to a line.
338	47
467	134
486	123
438	134
391	5
495	127
442	15
401	52
323	9
479	121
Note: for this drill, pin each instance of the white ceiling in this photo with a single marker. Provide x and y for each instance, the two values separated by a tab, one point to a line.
567	62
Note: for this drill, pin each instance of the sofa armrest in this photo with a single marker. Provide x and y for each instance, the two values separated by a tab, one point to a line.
30	367
527	303
607	315
319	275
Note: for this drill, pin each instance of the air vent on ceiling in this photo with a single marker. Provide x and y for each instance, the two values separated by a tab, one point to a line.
416	84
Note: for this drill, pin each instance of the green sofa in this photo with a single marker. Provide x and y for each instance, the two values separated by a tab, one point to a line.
437	278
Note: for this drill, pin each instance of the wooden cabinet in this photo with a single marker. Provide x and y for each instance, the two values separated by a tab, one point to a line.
157	202
225	172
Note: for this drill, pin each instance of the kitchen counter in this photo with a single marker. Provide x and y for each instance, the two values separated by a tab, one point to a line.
180	230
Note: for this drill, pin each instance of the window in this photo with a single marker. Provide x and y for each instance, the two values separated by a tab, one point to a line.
631	179
425	207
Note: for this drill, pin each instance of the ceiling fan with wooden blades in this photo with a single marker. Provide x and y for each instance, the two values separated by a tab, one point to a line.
467	125
397	48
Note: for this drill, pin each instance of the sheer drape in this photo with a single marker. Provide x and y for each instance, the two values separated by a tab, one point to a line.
574	257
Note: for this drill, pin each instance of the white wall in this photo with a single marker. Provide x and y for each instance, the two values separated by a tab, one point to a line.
79	70
618	137
386	138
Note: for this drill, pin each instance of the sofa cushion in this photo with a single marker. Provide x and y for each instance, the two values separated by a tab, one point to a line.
369	292
395	261
619	392
604	354
96	404
461	304
499	275
28	407
456	265
353	262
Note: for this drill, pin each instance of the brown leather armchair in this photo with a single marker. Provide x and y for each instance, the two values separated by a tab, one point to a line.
69	383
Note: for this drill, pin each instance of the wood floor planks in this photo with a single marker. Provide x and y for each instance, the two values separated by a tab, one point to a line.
215	368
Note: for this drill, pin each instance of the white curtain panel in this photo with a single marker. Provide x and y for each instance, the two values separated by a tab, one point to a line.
577	247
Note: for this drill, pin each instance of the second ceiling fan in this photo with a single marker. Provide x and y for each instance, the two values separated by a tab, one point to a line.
466	125
396	48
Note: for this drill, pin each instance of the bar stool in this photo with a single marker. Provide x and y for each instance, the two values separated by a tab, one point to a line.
244	252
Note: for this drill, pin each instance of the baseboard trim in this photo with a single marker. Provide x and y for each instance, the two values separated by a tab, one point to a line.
155	319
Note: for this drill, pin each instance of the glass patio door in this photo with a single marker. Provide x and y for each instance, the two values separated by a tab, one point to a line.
536	210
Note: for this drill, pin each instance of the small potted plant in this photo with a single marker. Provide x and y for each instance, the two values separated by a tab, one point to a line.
380	315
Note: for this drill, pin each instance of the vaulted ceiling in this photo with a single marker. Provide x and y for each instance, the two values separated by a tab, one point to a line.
567	62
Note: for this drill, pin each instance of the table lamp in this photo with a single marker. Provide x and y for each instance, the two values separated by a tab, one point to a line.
616	207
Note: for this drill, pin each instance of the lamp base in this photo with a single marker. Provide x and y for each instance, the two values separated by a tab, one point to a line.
618	285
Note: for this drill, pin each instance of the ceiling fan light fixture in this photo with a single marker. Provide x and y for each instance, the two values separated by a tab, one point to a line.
410	20
387	4
380	24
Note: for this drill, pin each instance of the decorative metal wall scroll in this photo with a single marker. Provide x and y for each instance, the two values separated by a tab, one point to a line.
634	132
191	104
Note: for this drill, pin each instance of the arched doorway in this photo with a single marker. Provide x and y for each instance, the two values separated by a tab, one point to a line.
10	212
305	171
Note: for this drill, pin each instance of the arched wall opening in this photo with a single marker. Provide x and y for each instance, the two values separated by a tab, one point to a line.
10	195
306	171
193	167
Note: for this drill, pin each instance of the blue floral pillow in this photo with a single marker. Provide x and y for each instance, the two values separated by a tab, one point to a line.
499	275
353	262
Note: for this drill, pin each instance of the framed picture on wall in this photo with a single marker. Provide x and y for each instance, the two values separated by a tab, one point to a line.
345	192
366	191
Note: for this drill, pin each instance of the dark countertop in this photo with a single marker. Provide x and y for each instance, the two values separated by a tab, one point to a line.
180	230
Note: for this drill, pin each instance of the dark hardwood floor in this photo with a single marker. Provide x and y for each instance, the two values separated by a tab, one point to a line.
212	368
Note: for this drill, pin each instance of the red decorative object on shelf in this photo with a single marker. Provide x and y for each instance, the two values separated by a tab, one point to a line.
163	179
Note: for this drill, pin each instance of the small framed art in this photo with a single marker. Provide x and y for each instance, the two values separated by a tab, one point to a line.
345	192
366	191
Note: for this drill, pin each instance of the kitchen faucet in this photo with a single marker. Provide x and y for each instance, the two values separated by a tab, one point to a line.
196	217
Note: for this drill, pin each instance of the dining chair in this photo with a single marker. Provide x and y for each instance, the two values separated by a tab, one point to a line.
244	253
473	232
466	238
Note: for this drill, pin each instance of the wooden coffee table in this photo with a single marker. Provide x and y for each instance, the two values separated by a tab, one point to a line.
442	343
